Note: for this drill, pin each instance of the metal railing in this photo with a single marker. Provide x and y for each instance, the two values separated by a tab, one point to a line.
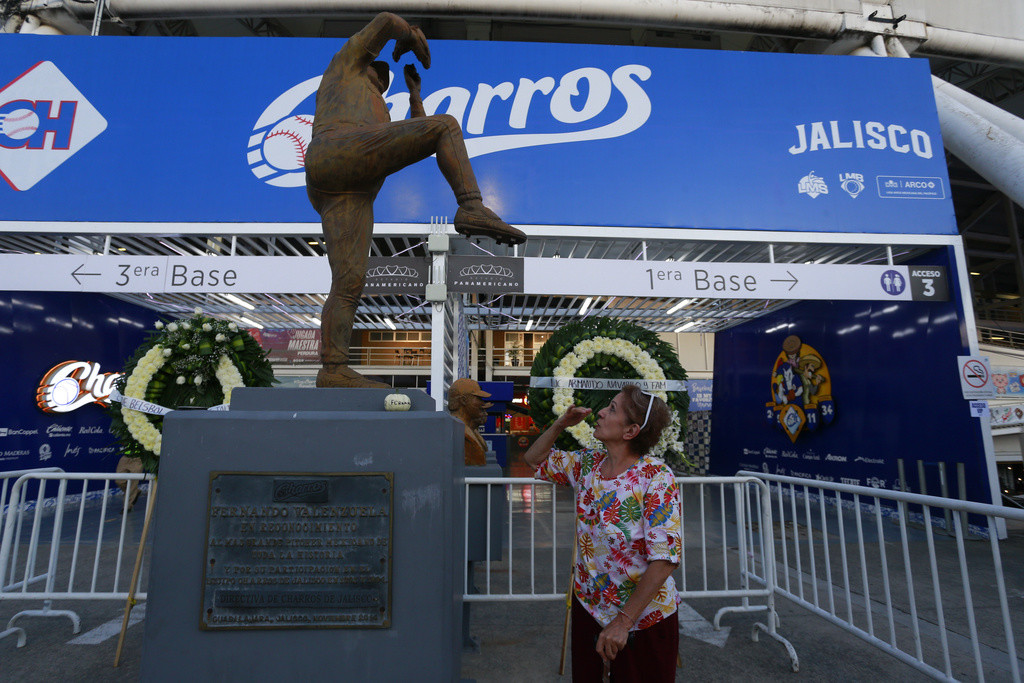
513	357
390	355
854	556
532	556
82	561
867	560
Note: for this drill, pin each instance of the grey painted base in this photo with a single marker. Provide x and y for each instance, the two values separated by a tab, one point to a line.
422	449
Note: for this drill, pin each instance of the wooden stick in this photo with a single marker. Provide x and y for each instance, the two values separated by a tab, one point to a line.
151	504
568	606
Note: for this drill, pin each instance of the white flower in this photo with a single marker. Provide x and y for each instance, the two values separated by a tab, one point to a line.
186	326
159	325
207	327
220	337
166	353
233	327
198	311
173	327
180	380
198	380
186	346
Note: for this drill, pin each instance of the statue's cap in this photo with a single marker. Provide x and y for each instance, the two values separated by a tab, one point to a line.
464	385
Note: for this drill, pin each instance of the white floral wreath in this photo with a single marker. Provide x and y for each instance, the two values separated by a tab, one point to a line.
641	361
144	431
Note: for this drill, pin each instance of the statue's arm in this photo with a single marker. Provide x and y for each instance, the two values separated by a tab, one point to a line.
387	26
412	82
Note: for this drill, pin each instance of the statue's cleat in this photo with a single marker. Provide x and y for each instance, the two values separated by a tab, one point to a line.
485	223
344	376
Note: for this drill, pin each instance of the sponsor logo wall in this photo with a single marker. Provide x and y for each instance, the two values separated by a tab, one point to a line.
559	134
892	369
62	353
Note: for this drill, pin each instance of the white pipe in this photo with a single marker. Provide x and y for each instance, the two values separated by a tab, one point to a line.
988	139
995	154
693	14
689	13
1011	124
972	46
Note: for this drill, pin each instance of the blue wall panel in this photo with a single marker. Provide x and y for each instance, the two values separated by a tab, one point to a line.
39	330
895	389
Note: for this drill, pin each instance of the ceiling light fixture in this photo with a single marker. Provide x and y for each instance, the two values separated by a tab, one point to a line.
240	302
681	304
250	323
391	325
529	324
685	326
586	305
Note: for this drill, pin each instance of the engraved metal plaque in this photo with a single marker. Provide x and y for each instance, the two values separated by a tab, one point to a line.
292	550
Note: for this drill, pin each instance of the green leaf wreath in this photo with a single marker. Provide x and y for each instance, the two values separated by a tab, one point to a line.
194	362
606	348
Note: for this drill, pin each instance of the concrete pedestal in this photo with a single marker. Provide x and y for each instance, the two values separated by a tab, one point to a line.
297	431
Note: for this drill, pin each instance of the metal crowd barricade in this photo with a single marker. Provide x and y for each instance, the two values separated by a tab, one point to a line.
5	485
724	538
69	573
939	603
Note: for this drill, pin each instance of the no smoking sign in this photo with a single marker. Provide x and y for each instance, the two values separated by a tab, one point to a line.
975	377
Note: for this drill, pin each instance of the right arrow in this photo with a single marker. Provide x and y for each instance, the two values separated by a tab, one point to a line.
792	279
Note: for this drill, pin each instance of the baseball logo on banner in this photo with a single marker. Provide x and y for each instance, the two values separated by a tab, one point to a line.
801	390
44	121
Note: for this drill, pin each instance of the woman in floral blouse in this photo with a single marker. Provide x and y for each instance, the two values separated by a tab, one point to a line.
628	536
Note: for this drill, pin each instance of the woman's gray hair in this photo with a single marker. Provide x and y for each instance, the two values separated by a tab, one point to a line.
636	404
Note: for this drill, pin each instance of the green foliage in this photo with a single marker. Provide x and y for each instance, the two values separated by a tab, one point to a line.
196	344
603	366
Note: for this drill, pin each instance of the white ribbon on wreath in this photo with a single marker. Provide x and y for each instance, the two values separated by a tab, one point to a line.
641	361
139	426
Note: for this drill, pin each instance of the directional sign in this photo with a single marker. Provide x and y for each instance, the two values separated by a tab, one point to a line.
186	274
309	274
735	280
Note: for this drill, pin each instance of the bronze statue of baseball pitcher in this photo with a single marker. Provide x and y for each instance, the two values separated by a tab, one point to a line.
355	146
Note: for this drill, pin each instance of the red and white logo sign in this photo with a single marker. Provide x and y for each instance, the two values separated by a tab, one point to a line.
72	384
44	121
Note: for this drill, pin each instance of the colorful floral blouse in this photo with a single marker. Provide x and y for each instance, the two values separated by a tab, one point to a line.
622	525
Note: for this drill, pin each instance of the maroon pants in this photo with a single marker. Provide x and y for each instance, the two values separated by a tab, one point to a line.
649	656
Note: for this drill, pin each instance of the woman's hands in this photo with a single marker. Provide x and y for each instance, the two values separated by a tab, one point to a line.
541	448
612	638
573	416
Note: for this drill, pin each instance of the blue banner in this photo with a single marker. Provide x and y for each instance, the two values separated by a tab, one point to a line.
840	391
63	353
210	130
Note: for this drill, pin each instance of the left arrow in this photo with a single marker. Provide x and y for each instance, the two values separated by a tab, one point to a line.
75	273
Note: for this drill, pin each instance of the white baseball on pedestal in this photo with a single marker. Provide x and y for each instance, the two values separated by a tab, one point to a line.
397	403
